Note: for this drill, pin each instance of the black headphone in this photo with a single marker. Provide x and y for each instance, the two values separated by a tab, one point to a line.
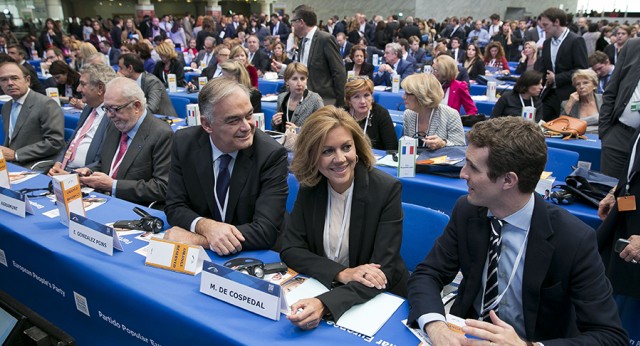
249	266
147	222
562	197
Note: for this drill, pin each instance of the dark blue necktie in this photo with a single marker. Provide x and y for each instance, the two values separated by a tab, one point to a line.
222	183
491	286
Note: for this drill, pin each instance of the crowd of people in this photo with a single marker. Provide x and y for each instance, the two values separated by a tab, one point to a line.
223	185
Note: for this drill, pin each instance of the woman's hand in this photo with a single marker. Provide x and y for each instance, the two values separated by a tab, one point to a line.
76	103
307	313
523	57
434	142
276	66
277	118
291	127
369	275
573	98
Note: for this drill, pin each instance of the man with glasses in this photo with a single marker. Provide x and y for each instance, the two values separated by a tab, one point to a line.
135	156
393	65
228	181
222	55
33	123
205	57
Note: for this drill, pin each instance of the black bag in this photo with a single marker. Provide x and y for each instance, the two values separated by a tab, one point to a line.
470	120
589	186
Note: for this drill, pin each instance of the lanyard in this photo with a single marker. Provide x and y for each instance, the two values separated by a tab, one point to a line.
513	274
327	222
366	122
292	113
430	120
631	164
222	209
522	101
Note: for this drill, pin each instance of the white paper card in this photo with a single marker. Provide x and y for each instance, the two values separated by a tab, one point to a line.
369	317
173	84
93	234
53	93
259	119
395	83
202	81
193	115
174	256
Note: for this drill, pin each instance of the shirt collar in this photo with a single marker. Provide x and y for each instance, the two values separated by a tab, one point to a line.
521	219
217	152
139	80
23	98
558	41
311	32
136	127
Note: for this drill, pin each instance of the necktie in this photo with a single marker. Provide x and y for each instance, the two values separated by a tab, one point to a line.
222	183
491	286
302	45
122	149
73	147
342	51
251	57
15	111
206	59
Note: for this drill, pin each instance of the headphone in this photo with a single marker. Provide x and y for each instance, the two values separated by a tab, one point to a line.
147	222
249	266
562	197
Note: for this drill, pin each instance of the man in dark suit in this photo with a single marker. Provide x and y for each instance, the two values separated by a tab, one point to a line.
529	262
205	57
85	145
319	52
456	51
135	157
537	35
279	28
367	30
416	52
116	32
340	26
454	30
155	30
563	53
623	33
256	56
18	54
222	55
409	29
228	182
343	45
393	64
112	53
618	121
33	123
158	100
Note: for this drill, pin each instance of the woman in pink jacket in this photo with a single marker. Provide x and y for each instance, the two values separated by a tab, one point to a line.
456	93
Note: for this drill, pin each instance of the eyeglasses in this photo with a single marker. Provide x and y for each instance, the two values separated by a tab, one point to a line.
295	20
113	110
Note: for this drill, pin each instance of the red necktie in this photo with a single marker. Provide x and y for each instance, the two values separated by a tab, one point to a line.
73	147
122	149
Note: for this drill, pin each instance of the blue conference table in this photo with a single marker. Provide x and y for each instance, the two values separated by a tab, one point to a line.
129	303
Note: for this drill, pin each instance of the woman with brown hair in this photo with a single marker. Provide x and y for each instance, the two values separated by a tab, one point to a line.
473	61
358	63
234	70
67	81
494	59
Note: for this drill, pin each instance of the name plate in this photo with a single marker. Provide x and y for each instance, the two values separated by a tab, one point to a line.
407	151
4	173
172	81
93	234
242	290
14	202
193	115
178	257
68	194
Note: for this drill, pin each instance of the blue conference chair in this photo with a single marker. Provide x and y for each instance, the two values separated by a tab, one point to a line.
180	104
561	163
399	130
420	228
67	134
294	186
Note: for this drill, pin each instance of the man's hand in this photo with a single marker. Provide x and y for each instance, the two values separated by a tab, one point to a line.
56	170
369	275
551	77
181	235
307	313
223	238
384	68
605	206
498	333
440	334
631	252
9	154
98	181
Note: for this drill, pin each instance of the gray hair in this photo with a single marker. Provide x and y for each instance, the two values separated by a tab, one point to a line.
98	74
210	40
214	92
396	47
128	89
97	58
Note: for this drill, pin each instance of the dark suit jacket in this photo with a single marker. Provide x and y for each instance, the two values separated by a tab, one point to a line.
610	51
409	30
624	276
260	60
365	70
327	76
375	236
200	56
257	193
564	291
283	31
38	134
532	35
175	67
621	86
95	148
572	55
114	55
158	101
144	171
420	56
347	49
404	69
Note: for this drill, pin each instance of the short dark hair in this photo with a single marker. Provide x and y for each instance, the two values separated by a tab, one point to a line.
132	60
494	16
598	57
527	79
307	14
143	51
553	13
456	38
515	145
55	50
20	49
107	43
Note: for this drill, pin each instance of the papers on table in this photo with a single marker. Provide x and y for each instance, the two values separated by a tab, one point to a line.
479	98
388	161
270	98
381	88
88	202
19	177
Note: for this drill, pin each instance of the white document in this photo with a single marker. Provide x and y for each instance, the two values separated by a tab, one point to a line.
387	161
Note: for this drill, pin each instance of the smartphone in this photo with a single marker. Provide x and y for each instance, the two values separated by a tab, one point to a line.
620	245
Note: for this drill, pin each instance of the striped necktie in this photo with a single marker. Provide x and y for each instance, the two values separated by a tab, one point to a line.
491	286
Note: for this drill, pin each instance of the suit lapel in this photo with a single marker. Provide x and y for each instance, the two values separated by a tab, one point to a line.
539	254
358	214
135	147
204	171
477	245
110	146
24	114
241	170
319	214
312	48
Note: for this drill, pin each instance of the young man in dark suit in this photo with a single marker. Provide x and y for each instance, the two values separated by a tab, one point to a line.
531	270
228	181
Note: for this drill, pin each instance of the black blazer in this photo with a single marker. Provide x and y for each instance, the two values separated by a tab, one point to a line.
509	105
365	70
257	193
564	293
380	129
572	55
260	60
476	69
175	67
375	236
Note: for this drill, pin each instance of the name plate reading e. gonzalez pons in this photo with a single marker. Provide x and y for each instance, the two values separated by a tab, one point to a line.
93	234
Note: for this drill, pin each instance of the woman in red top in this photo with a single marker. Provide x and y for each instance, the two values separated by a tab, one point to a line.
99	34
239	53
456	93
494	58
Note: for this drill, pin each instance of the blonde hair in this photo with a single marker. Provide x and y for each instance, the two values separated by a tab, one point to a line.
533	46
426	89
354	86
587	74
235	51
309	144
447	67
238	70
164	50
86	49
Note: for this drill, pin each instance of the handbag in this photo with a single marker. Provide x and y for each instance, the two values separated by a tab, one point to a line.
472	119
589	186
568	126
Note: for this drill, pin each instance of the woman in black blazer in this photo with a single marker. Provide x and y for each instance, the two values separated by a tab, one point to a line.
358	62
346	225
168	64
